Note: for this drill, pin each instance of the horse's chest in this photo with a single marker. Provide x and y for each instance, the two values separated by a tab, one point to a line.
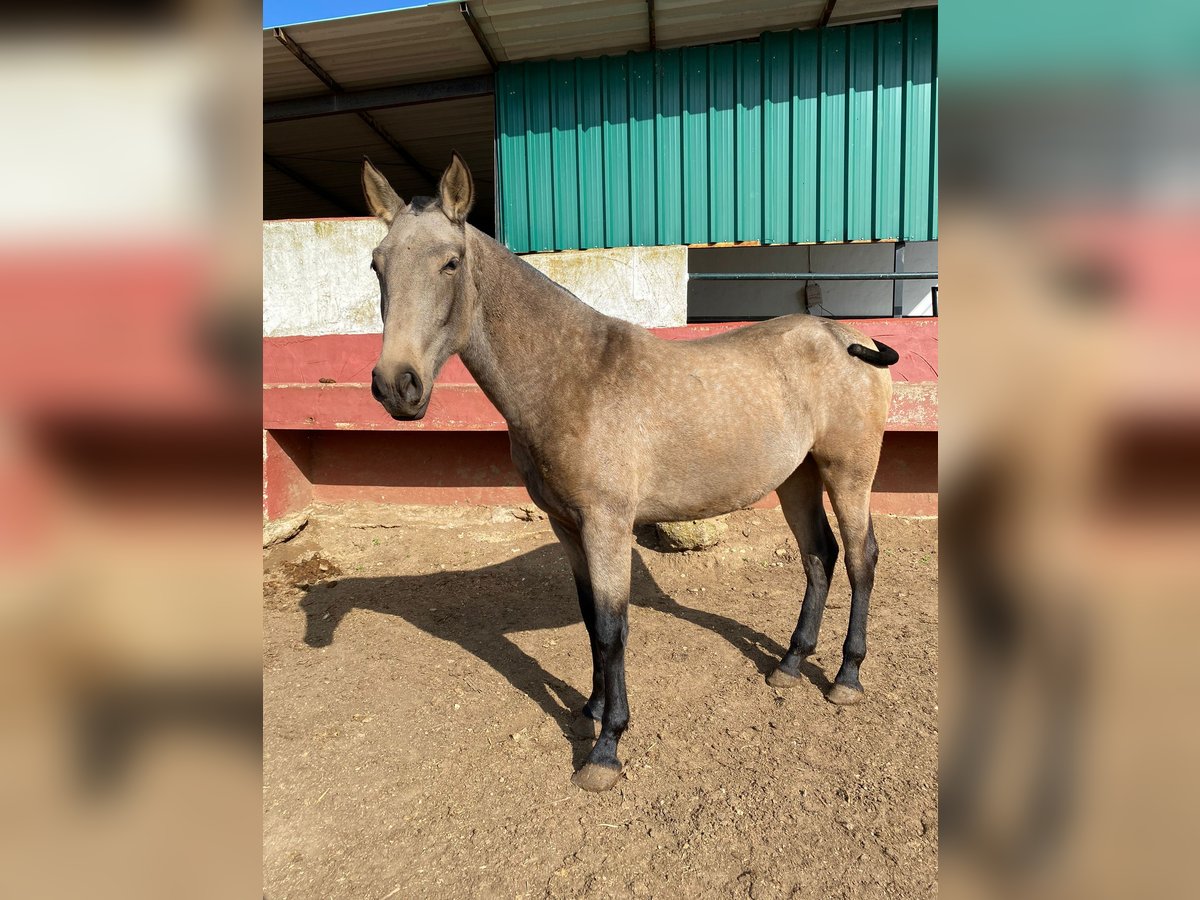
558	480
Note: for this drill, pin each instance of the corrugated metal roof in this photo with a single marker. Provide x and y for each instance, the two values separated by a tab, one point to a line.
434	42
401	47
683	22
284	76
847	11
528	29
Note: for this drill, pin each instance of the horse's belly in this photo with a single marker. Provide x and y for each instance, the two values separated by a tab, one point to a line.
721	457
704	488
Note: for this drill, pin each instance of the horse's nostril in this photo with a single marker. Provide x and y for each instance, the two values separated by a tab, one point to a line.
409	387
375	391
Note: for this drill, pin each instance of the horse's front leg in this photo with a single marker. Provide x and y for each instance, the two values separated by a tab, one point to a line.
587	721
606	546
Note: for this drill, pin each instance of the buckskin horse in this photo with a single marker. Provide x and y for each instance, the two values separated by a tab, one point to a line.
613	427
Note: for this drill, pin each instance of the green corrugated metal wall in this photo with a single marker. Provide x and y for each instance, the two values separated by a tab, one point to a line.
797	137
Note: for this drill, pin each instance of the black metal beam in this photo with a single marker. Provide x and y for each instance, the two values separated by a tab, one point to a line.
311	185
478	34
650	16
826	13
813	276
898	286
313	66
379	98
307	61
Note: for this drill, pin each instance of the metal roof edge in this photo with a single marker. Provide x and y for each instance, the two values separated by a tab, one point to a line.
422	4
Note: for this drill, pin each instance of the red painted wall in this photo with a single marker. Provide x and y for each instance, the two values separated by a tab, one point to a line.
331	442
447	467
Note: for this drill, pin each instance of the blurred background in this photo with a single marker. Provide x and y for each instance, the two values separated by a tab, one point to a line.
131	448
1070	205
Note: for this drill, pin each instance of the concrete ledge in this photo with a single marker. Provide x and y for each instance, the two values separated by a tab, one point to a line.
322	383
464	407
317	278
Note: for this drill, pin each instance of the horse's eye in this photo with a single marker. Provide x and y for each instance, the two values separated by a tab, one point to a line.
374	268
450	266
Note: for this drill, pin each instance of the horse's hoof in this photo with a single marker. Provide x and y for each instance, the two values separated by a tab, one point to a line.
843	695
593	777
585	726
782	679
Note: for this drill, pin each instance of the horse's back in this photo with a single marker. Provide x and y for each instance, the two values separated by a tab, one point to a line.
791	349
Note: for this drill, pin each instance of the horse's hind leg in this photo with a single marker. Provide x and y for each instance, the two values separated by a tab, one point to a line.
587	722
849	486
800	497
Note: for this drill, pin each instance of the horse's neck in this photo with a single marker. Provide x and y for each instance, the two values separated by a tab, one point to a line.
529	335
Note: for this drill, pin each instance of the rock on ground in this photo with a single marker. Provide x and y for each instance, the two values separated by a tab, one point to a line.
698	534
284	529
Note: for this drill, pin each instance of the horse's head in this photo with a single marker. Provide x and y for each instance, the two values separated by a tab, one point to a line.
424	284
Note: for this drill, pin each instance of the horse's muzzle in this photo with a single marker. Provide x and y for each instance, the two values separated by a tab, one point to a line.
405	416
404	398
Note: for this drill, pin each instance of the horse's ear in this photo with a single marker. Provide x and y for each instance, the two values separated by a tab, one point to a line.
457	190
382	200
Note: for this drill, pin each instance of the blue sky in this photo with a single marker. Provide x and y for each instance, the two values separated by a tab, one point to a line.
292	12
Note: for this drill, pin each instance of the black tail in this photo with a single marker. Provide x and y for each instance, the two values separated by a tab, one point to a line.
883	357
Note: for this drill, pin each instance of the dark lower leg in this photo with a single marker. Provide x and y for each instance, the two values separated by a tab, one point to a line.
860	566
606	544
572	544
612	631
594	708
819	560
800	497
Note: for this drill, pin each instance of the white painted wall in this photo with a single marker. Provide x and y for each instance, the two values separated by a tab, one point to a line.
646	285
317	279
754	299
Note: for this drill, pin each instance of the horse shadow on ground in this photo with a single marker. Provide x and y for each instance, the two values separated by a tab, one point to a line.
477	609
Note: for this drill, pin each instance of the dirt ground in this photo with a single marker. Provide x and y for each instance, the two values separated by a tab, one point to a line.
421	668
